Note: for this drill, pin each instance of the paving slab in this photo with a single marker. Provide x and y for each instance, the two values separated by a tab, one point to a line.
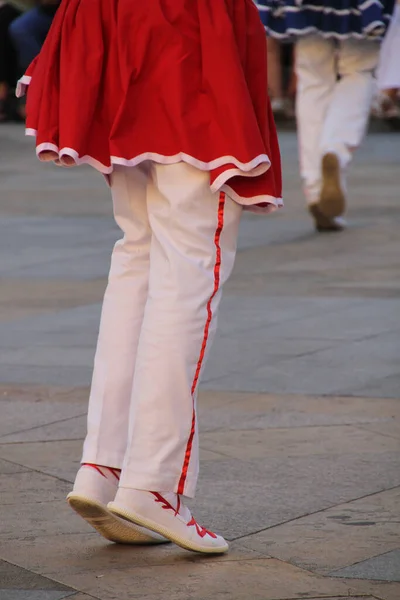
33	594
357	367
391	427
387	387
380	590
245	410
8	468
87	553
336	538
73	428
80	596
23	414
30	487
17	583
298	441
194	578
242	410
282	489
385	567
59	459
22	298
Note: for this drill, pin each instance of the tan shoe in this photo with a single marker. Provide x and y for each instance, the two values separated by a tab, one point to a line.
332	200
325	224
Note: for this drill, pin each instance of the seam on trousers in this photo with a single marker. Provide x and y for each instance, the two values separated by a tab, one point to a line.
217	279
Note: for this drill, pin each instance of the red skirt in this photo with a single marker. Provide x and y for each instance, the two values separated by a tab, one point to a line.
125	81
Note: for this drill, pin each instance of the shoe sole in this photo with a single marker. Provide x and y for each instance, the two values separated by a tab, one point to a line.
164	531
108	524
332	201
324	224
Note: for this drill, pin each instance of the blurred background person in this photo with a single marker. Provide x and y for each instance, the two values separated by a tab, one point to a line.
280	79
337	52
28	32
8	62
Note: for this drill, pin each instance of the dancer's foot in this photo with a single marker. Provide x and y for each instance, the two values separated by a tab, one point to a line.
325	224
94	488
167	515
332	200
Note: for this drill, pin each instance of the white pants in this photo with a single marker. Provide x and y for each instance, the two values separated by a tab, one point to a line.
389	65
334	92
158	322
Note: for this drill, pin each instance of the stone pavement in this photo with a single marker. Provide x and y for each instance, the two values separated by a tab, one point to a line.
300	405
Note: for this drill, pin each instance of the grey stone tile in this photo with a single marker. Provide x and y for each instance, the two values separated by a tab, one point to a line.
40	519
379	589
48	356
76	376
19	415
89	554
385	567
237	353
369	318
333	371
7	468
235	410
67	429
72	250
15	578
385	387
259	311
194	578
33	594
337	537
298	441
390	428
30	487
58	459
279	489
86	597
78	326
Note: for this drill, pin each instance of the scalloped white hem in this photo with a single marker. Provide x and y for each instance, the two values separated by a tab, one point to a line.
254	168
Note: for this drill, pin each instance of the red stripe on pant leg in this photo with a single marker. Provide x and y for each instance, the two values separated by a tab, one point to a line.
217	270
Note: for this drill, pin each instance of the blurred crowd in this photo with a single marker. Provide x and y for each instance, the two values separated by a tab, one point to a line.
24	25
282	87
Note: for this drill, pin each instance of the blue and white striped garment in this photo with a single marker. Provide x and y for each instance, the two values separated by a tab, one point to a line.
338	19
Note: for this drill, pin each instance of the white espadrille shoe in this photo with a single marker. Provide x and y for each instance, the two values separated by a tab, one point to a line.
165	514
94	488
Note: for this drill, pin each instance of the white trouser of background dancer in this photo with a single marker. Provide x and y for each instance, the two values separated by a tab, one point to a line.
158	321
335	82
388	73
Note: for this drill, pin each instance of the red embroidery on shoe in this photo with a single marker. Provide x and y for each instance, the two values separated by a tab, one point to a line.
98	468
202	531
115	472
166	505
95	467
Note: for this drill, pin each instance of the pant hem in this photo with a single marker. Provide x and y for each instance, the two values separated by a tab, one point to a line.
105	459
